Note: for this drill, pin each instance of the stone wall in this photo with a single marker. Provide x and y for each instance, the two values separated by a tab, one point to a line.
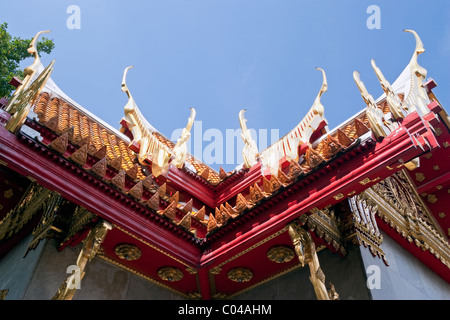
347	275
39	275
406	277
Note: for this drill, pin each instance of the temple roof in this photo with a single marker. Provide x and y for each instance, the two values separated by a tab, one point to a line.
193	216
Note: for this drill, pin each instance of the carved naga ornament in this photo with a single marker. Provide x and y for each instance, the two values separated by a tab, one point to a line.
305	250
180	149
250	151
301	134
379	125
28	72
151	149
396	106
417	96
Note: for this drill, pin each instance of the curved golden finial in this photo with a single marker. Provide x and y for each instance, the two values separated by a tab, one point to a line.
317	106
28	72
180	149
131	104
393	100
417	96
368	98
250	151
374	114
32	49
415	67
419	44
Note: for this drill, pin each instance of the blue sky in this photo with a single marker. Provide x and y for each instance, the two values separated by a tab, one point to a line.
220	56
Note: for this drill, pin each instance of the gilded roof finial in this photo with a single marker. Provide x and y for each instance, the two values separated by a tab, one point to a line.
419	96
30	70
317	106
374	114
131	104
250	151
395	104
418	70
180	149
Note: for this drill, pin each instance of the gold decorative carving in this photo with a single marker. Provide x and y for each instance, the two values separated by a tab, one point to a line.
432	198
133	172
302	133
396	106
3	294
170	211
129	252
241	203
150	148
33	201
380	126
240	274
200	214
212	223
45	224
222	174
187	208
339	196
99	167
60	143
313	158
250	151
402	208
306	251
80	155
294	169
343	139
180	149
170	274
368	180
280	254
91	246
119	180
162	190
256	194
153	202
185	222
420	176
137	190
360	226
116	163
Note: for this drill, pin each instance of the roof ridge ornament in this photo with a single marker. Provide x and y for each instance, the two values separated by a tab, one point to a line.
317	106
397	108
250	150
180	149
419	95
379	125
29	71
144	142
311	127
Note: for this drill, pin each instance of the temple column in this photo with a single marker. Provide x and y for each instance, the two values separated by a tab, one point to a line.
306	251
91	245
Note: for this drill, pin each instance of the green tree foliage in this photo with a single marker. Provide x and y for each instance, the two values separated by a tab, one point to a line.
12	51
